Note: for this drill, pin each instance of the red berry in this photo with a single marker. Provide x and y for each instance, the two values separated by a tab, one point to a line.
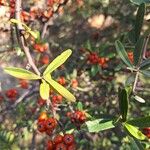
71	147
146	131
41	126
49	145
130	56
61	146
45	59
51	123
11	93
24	84
74	83
58	139
62	81
41	102
68	139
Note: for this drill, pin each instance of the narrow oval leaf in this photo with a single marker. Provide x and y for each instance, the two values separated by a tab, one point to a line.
136	144
139	99
145	64
139	2
139	21
99	125
21	73
123	103
142	122
134	131
122	53
138	51
44	90
80	106
145	72
60	89
58	61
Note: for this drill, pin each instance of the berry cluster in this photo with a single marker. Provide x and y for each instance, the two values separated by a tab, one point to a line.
46	124
130	56
40	47
146	131
56	99
12	94
41	102
66	142
77	117
93	58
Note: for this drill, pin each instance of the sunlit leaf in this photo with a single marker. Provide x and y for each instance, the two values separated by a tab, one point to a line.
134	131
139	99
58	61
21	73
44	90
60	89
99	125
122	53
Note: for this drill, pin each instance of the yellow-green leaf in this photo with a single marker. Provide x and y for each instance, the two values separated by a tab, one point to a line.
21	73
58	61
15	21
134	131
44	90
60	89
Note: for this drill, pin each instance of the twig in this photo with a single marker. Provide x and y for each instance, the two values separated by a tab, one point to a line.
22	38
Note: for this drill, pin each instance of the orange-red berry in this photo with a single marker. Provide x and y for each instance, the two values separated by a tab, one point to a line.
49	145
51	123
58	139
61	146
12	93
24	84
41	126
68	139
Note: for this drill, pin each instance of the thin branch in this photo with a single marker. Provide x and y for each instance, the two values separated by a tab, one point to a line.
22	38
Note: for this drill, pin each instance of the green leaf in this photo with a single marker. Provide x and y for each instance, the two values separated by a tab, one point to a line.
44	90
21	73
139	99
60	89
122	53
80	106
123	103
138	51
94	70
139	2
135	144
15	21
145	64
134	132
139	21
99	125
142	122
58	61
145	72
